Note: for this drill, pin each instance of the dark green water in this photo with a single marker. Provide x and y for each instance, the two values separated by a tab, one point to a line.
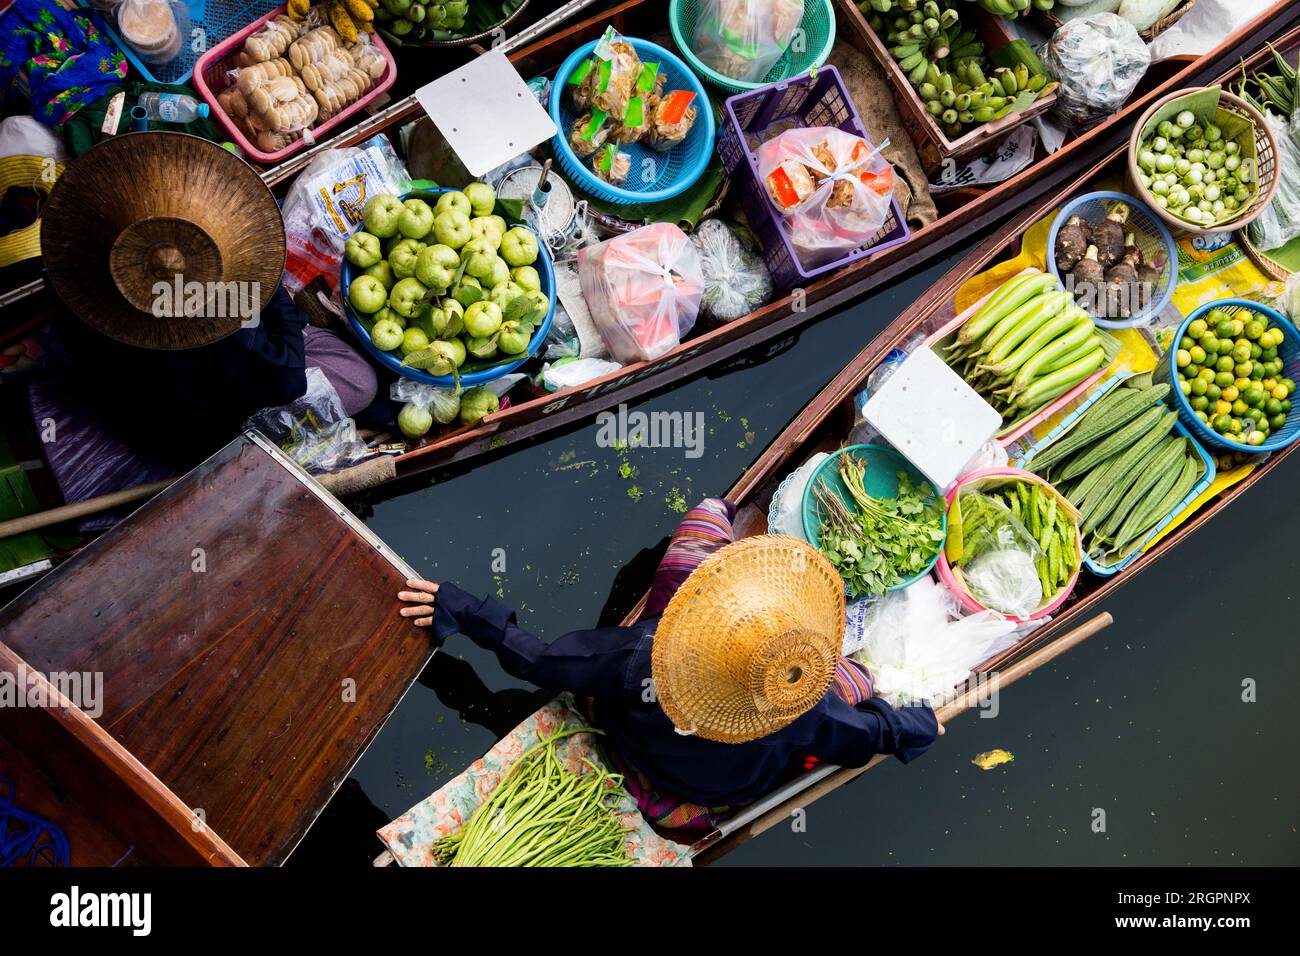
1144	721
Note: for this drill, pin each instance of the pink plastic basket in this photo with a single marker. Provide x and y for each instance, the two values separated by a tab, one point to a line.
949	579
1048	410
210	79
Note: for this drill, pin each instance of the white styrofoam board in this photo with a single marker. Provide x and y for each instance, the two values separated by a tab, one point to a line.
486	112
931	416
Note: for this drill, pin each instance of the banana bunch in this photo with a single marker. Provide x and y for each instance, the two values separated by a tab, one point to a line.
411	21
945	63
1010	9
349	18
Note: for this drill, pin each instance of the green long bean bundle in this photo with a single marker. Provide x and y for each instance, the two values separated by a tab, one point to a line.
543	814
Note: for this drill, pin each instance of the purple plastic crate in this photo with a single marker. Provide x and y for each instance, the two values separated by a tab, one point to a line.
817	98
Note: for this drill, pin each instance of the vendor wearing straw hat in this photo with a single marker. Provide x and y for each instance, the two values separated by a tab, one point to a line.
714	701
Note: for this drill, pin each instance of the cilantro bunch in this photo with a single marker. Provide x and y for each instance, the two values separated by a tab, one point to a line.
884	540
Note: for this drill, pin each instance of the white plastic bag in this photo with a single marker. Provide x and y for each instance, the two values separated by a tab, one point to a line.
1099	61
786	513
1279	223
314	430
744	39
918	646
833	189
643	290
736	281
577	371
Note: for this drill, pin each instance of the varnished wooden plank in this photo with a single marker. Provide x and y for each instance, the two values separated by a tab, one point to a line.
249	641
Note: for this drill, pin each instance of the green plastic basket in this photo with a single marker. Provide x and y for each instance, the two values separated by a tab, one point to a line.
880	480
818	26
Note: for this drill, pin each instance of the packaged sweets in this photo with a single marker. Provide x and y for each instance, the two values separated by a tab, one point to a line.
590	130
744	39
612	165
671	120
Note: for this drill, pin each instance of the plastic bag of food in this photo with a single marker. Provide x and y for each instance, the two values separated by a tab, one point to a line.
155	29
1279	223
423	406
611	80
998	556
271	40
744	39
643	290
572	370
833	188
589	132
1099	61
736	281
326	204
612	165
671	120
314	430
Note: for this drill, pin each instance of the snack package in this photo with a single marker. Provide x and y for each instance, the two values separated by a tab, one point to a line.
612	165
833	188
155	29
590	130
613	78
736	281
744	39
271	41
671	120
643	290
581	87
635	123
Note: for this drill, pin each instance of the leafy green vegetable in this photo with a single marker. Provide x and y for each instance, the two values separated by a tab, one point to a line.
887	539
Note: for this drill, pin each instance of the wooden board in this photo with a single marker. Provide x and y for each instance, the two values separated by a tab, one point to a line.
247	630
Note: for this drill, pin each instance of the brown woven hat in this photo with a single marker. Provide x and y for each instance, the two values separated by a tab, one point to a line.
750	641
144	208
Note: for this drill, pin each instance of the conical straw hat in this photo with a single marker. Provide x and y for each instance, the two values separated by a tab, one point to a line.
750	641
147	208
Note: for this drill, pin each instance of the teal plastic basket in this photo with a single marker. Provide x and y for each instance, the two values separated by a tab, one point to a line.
880	480
813	44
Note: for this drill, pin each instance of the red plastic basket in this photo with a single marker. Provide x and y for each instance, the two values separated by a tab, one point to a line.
210	79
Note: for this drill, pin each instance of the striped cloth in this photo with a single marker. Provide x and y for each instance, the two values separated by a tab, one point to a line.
706	528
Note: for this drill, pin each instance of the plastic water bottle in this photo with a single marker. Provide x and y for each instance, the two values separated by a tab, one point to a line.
172	107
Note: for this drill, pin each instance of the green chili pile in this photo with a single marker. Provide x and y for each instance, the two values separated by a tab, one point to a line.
543	814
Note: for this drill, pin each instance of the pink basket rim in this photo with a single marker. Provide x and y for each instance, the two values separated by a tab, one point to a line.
949	580
1048	410
225	47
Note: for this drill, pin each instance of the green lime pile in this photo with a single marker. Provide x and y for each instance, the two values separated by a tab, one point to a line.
1230	369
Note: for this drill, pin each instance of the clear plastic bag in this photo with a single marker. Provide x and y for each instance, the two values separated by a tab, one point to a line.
612	79
1099	61
644	290
744	39
833	188
918	646
998	556
326	204
154	29
573	371
271	40
1279	223
314	430
736	281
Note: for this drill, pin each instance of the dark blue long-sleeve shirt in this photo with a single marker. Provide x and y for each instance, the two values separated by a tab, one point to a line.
612	664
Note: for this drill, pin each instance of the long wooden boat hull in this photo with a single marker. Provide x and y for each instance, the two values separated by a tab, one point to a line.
823	425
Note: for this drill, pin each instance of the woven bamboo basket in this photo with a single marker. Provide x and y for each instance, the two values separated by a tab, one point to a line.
1266	164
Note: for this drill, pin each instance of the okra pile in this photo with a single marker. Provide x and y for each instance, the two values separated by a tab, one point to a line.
945	61
1123	466
1026	346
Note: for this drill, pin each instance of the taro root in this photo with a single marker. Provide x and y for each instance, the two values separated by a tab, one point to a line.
1071	244
1088	278
1108	236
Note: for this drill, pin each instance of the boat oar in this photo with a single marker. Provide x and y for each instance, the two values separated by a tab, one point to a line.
348	481
772	810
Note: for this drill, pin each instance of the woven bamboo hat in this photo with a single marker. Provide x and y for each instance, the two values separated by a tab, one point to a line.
750	641
147	208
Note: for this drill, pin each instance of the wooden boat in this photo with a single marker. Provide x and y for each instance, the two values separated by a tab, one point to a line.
824	426
964	215
208	700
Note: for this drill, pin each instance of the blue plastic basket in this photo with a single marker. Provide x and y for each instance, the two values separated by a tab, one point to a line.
217	19
1290	352
1150	236
546	272
1207	478
819	98
880	480
674	171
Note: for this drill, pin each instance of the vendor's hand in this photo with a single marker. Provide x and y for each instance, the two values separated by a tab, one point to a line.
941	730
421	599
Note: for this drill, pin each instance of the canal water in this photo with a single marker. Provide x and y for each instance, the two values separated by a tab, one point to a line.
1135	748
